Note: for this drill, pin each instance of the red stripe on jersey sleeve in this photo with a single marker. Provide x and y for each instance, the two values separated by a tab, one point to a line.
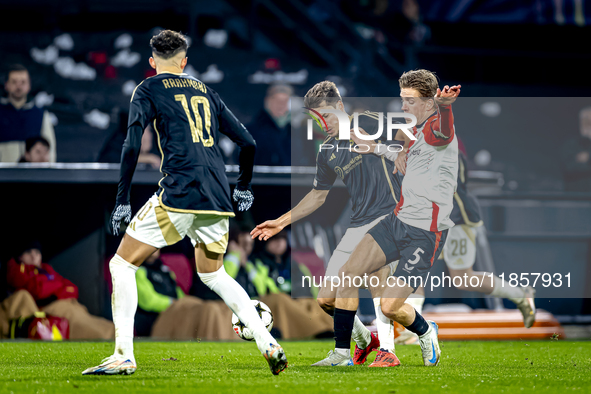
437	240
434	217
443	124
400	203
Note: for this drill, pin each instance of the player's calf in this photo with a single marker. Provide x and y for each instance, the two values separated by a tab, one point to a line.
396	309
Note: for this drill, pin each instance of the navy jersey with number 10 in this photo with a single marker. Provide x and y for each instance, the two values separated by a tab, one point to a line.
188	118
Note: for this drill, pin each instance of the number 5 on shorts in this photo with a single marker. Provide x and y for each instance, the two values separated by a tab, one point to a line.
415	260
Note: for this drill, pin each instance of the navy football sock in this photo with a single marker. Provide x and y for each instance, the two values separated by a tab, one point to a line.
419	326
343	327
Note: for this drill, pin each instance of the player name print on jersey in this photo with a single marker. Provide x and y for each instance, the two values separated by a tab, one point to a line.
184	83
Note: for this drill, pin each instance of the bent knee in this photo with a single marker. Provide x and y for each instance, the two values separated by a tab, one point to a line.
327	304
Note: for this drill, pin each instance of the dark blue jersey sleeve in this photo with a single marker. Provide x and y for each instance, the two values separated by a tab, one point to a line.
141	113
325	176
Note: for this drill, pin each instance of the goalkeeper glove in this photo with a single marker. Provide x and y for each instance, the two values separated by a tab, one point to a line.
244	198
122	212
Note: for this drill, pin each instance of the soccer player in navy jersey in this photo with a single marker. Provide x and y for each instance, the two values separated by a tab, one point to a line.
416	230
374	190
193	199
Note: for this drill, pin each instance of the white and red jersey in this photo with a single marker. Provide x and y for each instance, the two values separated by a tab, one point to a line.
431	174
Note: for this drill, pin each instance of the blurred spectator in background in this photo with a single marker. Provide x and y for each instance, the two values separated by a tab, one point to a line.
111	150
576	156
146	155
19	119
156	290
413	27
400	20
113	145
271	128
36	150
273	267
54	294
18	304
165	312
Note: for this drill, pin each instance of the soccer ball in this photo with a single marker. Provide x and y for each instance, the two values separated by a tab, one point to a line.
265	314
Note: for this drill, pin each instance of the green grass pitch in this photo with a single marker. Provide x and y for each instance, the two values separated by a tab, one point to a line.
237	367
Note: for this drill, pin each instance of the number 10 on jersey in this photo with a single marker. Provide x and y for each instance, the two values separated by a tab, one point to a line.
198	124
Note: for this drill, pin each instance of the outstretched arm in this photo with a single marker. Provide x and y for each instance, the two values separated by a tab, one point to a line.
129	158
441	132
311	202
323	181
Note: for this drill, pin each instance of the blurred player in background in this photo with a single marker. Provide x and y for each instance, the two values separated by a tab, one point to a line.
459	254
193	199
415	232
374	191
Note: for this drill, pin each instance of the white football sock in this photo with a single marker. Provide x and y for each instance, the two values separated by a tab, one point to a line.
361	335
124	304
503	289
238	301
417	302
385	327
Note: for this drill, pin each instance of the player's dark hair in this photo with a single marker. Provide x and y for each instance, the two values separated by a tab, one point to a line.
31	142
424	81
15	68
168	43
323	92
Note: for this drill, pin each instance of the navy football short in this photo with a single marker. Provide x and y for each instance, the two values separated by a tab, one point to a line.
417	249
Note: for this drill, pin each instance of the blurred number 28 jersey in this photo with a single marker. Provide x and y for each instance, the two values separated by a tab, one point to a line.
188	117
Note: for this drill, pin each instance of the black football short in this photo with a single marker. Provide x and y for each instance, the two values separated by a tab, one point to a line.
415	248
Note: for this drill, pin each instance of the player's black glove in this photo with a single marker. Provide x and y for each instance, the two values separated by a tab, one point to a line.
244	198
121	212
